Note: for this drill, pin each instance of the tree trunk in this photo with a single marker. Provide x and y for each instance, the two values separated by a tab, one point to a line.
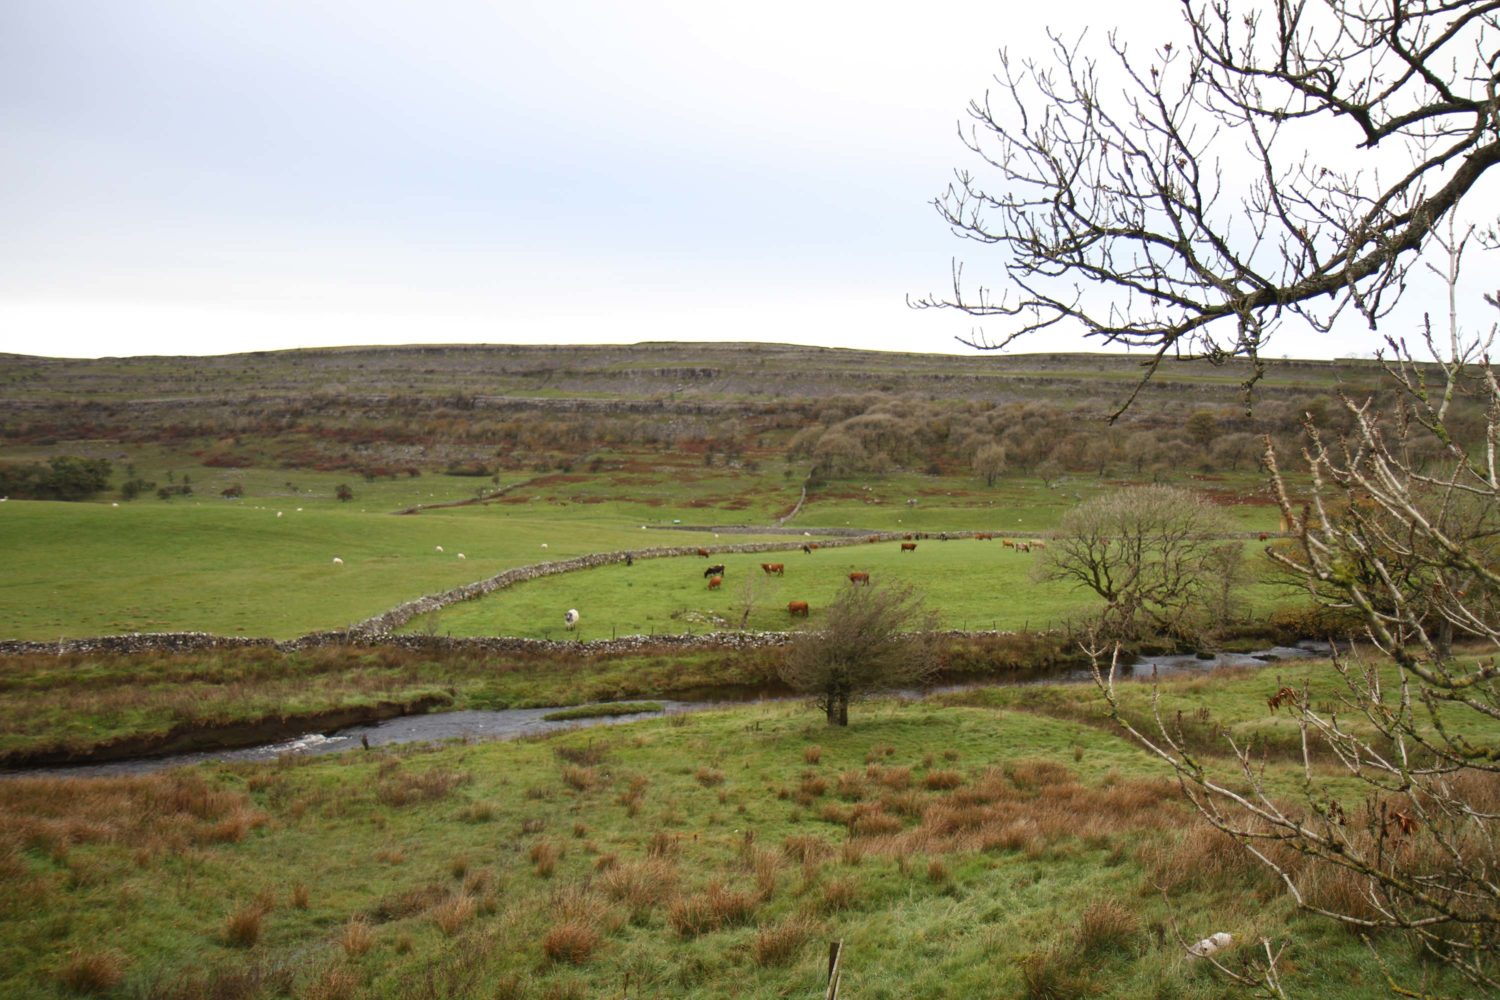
837	708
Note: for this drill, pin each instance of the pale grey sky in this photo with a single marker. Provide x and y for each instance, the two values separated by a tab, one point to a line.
186	177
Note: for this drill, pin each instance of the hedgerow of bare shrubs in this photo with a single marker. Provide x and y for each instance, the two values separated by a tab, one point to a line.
88	971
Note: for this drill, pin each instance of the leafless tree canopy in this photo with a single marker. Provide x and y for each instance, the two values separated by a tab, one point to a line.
873	638
1401	526
1154	554
1186	214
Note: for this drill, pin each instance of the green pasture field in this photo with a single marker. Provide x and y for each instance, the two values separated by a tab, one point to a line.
238	569
973	585
703	856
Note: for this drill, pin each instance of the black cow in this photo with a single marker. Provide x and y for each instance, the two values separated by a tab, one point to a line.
714	571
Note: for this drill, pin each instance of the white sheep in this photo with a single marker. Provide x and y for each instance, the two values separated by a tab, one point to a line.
571	619
462	556
439	548
1211	944
544	545
278	513
337	561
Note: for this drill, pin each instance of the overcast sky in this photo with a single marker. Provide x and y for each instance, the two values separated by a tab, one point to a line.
195	177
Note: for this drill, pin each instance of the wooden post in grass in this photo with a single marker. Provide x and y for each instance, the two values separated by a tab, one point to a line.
835	969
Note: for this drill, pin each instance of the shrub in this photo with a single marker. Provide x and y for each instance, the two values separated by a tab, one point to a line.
812	754
708	777
942	780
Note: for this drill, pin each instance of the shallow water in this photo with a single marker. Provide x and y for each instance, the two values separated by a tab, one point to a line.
516	722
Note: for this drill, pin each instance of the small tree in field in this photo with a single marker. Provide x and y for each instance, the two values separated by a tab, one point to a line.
1155	554
989	462
872	638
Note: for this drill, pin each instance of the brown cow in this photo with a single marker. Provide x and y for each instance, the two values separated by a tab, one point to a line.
1264	536
703	553
1023	546
1008	543
795	608
873	539
982	536
778	568
808	548
1039	544
859	578
908	536
715	582
908	546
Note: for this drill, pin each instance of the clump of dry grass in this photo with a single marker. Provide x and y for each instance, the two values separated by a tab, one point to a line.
779	943
409	902
580	778
942	780
333	983
839	894
663	845
851	786
879	751
242	927
1051	975
804	848
715	907
544	855
453	913
632	797
1106	926
709	777
640	885
87	971
356	937
812	754
570	941
895	778
404	788
299	896
477	812
937	871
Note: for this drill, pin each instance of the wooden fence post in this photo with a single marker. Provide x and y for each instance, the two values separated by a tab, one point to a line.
835	969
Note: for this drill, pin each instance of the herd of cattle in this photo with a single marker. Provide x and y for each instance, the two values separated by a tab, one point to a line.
715	574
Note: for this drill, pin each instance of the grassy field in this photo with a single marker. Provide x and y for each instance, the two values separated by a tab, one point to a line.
94	569
974	585
957	851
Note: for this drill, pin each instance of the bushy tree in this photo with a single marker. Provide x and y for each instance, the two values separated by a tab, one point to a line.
872	638
1156	555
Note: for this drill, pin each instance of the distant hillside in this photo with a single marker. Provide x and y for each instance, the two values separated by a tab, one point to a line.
665	372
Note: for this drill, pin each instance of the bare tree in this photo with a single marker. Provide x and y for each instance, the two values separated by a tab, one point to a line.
872	638
1409	828
989	462
1156	555
1172	203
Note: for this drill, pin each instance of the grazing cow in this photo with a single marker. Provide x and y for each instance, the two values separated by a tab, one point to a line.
715	582
908	536
873	539
1008	543
795	608
777	568
629	559
1039	544
570	620
703	553
807	548
714	571
1023	546
1264	536
984	536
859	578
908	546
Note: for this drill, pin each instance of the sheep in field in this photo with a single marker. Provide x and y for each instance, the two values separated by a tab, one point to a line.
571	619
337	561
462	556
440	548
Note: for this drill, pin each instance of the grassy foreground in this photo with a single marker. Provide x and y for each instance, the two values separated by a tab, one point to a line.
957	851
